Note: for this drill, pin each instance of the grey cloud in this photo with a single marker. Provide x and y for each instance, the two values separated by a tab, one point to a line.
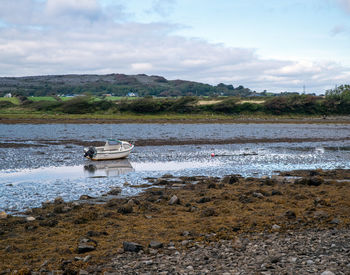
345	4
105	46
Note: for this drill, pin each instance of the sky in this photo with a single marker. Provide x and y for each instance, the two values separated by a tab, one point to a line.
273	45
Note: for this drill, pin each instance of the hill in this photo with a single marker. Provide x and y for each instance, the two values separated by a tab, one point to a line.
116	84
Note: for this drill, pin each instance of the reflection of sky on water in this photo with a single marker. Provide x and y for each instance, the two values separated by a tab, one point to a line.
74	176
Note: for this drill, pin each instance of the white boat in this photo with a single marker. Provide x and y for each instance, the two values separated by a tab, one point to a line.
113	149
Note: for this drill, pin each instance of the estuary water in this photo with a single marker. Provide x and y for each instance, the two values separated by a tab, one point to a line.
39	163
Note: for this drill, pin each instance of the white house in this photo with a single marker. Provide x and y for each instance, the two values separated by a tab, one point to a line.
8	95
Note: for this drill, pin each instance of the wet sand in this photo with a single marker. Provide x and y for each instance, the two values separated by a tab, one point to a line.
160	142
183	214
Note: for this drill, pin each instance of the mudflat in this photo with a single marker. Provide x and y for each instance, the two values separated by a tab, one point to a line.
188	119
295	222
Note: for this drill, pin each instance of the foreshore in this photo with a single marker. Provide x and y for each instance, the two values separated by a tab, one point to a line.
296	223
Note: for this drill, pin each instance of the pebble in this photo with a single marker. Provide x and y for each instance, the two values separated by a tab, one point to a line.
255	253
174	200
276	227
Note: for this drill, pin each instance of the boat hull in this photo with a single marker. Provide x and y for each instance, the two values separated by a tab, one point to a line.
110	155
109	152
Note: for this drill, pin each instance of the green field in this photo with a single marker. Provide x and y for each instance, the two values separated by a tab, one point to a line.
13	100
42	98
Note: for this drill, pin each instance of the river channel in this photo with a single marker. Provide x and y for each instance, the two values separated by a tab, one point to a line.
39	163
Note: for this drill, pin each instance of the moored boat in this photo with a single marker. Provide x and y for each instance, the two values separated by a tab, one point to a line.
113	149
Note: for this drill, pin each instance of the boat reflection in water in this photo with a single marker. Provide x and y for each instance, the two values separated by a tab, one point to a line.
108	168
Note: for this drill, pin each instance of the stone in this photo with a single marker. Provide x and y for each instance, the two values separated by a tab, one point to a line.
86	245
276	227
320	215
132	247
290	214
311	181
85	197
174	200
275	259
204	200
87	258
58	200
115	191
258	195
230	179
335	221
275	193
30	219
125	209
327	272
155	245
185	242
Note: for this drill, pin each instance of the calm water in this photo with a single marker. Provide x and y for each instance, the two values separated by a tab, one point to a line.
31	175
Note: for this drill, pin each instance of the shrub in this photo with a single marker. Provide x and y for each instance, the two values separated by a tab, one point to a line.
78	105
6	104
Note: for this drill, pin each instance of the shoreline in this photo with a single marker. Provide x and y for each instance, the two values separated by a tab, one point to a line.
183	214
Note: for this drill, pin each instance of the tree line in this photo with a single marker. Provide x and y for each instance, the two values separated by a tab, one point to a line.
336	101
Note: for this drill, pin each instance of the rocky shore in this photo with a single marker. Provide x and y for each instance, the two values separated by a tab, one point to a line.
294	223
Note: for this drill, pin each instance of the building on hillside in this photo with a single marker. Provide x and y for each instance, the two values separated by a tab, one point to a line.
8	95
131	94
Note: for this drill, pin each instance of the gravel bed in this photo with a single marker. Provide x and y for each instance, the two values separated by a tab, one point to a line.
323	252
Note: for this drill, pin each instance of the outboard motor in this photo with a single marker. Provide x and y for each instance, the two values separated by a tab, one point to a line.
90	153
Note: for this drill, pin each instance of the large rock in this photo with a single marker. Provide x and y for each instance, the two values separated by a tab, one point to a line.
132	247
231	179
311	181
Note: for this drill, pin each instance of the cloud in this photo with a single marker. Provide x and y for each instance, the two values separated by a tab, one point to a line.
88	9
338	29
90	40
345	4
163	7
